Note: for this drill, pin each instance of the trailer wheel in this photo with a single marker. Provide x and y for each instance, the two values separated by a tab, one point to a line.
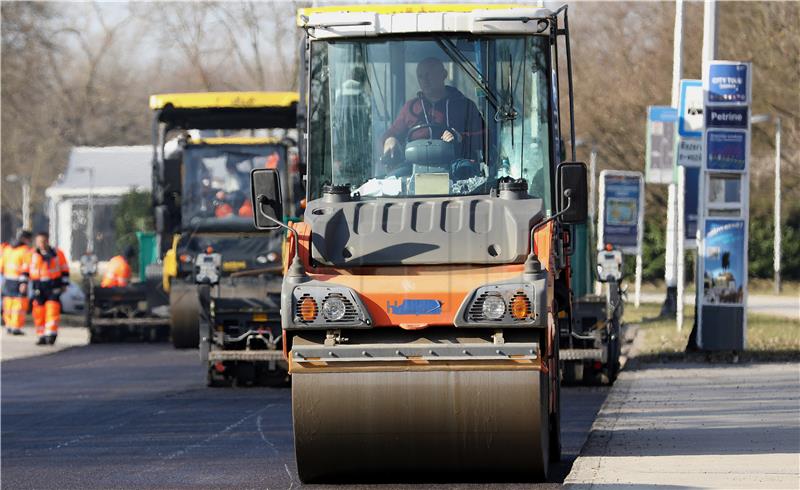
184	312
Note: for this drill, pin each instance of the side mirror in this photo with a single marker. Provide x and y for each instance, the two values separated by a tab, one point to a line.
265	192
572	188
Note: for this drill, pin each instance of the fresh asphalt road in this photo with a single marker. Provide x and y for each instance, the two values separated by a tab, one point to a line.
140	416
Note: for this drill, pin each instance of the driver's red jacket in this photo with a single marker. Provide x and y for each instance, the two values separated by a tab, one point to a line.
454	111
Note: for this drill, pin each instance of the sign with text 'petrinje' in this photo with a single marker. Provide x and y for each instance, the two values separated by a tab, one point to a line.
727	117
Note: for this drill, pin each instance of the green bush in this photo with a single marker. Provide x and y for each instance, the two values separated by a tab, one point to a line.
133	213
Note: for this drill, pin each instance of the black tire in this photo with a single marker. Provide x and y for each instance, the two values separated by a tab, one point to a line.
614	350
184	313
555	415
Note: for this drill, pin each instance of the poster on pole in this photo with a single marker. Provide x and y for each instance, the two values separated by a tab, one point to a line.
621	217
726	150
660	144
690	111
724	262
691	204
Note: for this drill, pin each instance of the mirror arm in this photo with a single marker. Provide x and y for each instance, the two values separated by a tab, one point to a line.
296	269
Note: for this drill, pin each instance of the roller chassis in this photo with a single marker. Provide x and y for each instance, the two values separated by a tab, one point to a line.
122	313
240	339
591	341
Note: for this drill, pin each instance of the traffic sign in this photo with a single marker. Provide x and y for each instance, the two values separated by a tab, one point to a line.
690	111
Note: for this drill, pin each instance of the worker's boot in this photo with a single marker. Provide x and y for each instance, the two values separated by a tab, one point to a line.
17	331
42	340
51	339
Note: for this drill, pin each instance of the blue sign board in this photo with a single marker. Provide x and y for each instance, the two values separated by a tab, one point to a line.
621	211
662	113
727	117
727	83
724	261
690	204
690	111
726	150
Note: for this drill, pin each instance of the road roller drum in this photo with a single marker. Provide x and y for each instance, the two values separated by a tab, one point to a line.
419	409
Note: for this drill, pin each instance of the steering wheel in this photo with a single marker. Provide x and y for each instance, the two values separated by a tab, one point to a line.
441	128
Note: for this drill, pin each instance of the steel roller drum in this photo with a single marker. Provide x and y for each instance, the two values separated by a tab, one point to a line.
420	423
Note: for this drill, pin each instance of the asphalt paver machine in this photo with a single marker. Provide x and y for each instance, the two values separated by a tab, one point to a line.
422	288
223	278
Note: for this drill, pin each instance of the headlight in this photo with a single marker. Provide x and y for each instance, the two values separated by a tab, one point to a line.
333	308
494	307
315	306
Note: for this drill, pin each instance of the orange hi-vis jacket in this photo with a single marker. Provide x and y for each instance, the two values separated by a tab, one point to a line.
50	269
117	274
15	263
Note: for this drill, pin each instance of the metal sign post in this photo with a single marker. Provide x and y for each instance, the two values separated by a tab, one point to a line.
620	222
724	215
688	159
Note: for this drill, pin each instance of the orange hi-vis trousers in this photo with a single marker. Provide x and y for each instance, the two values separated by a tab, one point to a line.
14	309
46	317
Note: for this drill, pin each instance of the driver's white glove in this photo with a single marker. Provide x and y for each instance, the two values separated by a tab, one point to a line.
447	136
390	144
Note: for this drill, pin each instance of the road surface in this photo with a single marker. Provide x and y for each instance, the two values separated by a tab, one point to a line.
140	416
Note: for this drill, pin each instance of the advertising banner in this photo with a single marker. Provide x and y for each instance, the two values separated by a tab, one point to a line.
660	144
690	210
724	262
621	211
726	150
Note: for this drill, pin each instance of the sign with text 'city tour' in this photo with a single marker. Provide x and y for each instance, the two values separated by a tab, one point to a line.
728	83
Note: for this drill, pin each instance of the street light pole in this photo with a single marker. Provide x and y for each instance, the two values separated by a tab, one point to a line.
25	183
777	240
90	211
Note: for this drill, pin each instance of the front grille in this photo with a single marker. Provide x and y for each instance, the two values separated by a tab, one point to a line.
350	312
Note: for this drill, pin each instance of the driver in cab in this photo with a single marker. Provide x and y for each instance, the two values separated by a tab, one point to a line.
442	110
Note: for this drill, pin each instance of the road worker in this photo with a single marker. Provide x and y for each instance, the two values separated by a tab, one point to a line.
3	246
15	266
49	273
118	271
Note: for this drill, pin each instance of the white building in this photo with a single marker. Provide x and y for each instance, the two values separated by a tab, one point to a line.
107	173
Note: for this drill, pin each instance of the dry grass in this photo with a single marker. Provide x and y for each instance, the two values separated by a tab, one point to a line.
768	337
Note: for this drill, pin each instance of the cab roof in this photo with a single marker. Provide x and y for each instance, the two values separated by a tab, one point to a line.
226	110
415	8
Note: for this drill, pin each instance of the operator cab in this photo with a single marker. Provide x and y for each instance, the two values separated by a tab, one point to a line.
430	115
